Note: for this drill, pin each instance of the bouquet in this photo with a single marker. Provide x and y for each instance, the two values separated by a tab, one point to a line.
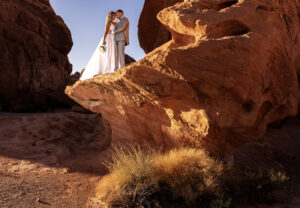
102	48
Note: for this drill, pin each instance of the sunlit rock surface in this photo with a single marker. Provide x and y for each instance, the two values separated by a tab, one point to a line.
229	71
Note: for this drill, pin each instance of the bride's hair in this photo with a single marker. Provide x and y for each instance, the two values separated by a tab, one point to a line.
110	16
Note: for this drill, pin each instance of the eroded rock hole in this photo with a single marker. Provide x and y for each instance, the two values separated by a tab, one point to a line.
228	28
180	39
263	8
226	4
248	106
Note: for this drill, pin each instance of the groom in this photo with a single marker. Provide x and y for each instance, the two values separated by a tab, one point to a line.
121	34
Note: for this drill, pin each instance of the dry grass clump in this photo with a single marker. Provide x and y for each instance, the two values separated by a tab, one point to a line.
141	177
129	182
189	173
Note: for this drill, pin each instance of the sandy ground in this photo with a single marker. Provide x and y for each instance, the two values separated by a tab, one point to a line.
43	187
49	160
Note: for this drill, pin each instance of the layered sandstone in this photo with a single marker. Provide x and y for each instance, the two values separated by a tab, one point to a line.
34	43
229	71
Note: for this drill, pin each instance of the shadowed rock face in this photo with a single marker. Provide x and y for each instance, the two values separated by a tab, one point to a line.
229	71
34	43
152	33
129	59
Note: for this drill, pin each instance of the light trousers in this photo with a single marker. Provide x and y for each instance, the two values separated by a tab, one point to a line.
120	54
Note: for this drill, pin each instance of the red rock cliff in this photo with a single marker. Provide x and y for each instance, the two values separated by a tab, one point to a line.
229	71
152	33
34	43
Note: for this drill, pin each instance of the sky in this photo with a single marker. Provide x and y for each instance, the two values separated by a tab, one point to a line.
86	21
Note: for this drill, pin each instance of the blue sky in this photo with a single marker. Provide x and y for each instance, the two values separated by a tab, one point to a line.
86	20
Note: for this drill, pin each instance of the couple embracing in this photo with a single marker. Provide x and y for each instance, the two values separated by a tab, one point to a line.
110	53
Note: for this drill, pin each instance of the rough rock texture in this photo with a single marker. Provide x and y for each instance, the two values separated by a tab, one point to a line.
229	71
54	139
34	43
152	33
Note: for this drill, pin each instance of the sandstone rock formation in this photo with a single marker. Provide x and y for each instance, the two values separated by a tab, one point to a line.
34	43
129	59
229	71
152	33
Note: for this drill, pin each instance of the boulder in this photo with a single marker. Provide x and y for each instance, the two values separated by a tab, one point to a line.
229	71
34	44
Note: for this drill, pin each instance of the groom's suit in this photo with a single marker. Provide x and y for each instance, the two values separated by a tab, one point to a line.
121	38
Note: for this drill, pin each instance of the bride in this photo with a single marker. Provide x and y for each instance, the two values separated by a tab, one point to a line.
103	60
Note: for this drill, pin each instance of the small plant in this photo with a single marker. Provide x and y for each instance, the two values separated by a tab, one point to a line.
253	187
265	183
221	203
129	184
278	178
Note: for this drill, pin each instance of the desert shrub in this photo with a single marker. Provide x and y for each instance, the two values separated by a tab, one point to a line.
221	203
142	177
129	183
252	187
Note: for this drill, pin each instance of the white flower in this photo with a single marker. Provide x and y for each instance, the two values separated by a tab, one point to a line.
102	48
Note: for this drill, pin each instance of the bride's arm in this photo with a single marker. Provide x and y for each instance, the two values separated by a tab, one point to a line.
107	26
115	23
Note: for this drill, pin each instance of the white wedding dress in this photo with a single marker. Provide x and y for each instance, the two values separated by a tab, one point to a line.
102	63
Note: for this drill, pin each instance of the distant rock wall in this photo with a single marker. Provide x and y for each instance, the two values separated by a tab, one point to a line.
34	44
129	59
229	71
152	33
